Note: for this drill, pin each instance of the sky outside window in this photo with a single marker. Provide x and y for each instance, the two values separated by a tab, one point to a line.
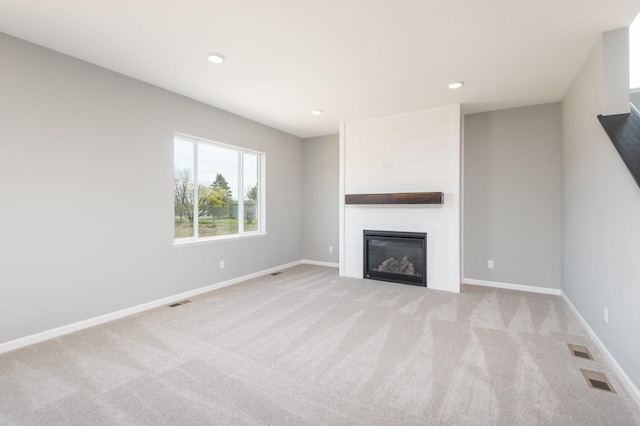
213	160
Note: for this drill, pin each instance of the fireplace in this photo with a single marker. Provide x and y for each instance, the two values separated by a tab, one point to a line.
399	257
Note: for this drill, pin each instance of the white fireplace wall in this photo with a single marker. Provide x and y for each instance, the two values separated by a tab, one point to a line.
413	152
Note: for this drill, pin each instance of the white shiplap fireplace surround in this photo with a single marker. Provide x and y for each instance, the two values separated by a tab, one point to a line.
412	152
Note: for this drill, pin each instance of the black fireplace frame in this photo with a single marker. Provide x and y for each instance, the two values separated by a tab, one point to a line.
388	276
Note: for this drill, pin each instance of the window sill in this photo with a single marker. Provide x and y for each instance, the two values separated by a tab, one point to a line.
183	242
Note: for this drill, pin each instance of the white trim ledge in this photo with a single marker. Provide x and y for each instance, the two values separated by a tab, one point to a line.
91	322
518	287
626	381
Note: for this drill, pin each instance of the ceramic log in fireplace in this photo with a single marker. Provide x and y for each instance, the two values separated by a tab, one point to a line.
399	257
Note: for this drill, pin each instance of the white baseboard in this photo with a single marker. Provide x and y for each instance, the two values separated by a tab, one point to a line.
91	322
626	381
518	287
318	263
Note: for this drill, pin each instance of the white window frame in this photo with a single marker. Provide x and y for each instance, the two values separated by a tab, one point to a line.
261	208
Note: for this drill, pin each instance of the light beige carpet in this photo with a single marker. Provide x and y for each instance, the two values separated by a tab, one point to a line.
309	347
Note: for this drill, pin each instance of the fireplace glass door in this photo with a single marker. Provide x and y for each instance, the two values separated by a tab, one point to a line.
396	256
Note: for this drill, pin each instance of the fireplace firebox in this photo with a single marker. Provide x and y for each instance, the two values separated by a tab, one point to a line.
399	257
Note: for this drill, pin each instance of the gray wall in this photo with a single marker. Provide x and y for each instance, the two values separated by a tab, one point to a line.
86	172
615	71
321	180
635	99
601	222
512	196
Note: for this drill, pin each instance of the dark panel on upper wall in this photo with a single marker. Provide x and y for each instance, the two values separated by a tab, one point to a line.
624	132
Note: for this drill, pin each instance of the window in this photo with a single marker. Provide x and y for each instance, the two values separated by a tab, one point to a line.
217	190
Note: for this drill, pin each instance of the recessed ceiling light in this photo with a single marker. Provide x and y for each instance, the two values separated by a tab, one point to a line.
215	58
456	85
317	112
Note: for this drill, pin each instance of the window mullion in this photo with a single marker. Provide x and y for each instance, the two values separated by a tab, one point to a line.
240	192
196	190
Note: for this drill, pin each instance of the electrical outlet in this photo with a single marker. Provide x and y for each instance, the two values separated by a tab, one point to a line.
606	315
222	264
330	249
490	264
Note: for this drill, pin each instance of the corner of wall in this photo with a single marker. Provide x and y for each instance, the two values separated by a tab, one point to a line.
615	72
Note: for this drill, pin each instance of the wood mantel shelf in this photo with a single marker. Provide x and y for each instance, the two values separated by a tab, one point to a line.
395	198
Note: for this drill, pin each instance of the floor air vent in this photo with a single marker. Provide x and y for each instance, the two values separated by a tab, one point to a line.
173	305
597	380
580	351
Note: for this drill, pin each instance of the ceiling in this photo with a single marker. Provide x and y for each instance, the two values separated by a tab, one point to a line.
353	59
